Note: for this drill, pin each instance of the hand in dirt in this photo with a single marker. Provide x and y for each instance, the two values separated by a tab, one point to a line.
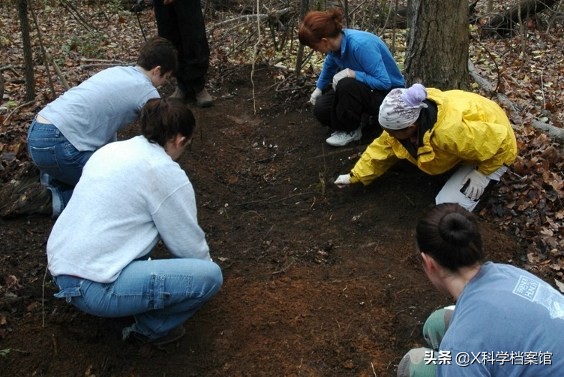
343	180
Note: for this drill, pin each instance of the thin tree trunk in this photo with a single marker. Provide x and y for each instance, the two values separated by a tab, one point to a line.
28	57
299	59
1	87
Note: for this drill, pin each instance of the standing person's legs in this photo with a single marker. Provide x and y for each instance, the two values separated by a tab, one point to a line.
421	362
182	22
451	191
195	49
167	24
161	294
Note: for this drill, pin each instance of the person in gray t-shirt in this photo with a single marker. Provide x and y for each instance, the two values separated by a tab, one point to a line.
65	133
506	321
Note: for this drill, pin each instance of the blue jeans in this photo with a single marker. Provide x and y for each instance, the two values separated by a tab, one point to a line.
58	160
161	294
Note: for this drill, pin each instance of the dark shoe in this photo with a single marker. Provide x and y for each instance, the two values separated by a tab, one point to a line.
203	99
25	196
172	336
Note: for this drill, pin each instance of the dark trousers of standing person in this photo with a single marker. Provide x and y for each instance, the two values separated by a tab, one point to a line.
351	105
182	23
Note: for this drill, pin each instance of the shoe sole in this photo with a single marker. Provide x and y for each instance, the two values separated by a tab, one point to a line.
204	104
167	339
342	145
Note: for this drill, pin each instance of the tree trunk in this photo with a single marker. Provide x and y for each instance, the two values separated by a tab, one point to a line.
28	58
299	59
437	46
1	88
504	24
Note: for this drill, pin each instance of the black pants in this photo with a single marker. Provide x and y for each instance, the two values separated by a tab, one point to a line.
352	103
182	23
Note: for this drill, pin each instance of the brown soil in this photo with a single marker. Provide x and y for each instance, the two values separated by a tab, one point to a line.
318	281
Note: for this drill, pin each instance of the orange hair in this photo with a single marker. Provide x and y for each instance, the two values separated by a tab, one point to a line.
318	25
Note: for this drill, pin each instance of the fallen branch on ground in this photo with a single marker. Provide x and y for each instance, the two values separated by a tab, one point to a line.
554	132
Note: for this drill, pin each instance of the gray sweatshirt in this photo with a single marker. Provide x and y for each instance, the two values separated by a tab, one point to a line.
131	193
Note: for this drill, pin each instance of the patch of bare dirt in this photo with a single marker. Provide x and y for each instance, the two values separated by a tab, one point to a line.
318	281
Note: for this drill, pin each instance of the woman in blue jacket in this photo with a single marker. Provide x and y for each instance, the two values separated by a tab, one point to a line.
358	71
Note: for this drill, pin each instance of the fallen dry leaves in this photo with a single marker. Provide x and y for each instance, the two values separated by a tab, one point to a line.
528	68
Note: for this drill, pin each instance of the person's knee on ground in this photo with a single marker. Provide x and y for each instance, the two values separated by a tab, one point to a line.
322	108
436	325
415	364
169	318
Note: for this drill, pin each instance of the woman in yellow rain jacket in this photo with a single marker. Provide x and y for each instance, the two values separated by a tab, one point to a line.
437	131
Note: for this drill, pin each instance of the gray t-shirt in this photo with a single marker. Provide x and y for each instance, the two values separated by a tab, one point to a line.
90	114
507	322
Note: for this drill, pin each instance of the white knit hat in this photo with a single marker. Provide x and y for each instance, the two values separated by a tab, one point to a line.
401	107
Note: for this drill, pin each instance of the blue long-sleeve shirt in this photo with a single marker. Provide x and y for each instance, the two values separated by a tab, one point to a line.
368	56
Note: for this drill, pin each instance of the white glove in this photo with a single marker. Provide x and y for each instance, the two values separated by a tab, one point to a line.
343	180
316	93
341	75
475	183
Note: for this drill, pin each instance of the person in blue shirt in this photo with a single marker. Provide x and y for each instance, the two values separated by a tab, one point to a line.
506	321
358	71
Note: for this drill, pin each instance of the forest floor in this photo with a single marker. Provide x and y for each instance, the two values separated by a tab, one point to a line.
317	281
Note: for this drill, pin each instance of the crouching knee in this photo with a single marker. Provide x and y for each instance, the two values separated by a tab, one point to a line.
213	279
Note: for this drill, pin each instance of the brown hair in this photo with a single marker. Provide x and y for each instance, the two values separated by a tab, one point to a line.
450	234
162	119
318	25
158	51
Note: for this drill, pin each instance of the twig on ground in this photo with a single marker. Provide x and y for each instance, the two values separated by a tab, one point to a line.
76	15
373	370
274	201
248	18
341	150
9	68
58	71
552	131
116	62
16	109
54	341
285	267
409	200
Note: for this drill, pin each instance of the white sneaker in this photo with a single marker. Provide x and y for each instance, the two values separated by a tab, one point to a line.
340	139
